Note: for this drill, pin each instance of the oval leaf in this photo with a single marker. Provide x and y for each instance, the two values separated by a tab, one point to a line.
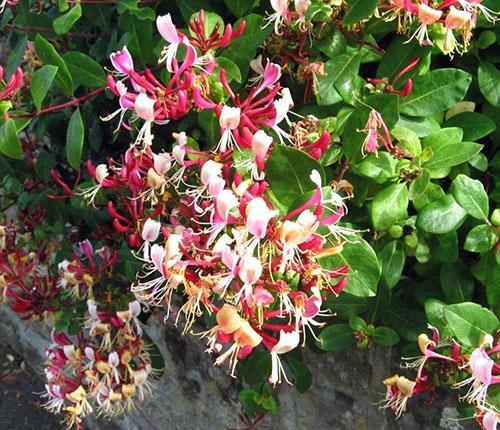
74	140
441	216
48	55
10	145
470	194
435	91
40	84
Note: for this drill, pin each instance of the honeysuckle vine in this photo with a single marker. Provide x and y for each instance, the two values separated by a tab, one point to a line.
267	177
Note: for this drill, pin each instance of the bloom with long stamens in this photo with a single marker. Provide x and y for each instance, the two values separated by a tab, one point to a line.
427	16
280	15
481	366
169	32
286	343
258	216
150	233
229	121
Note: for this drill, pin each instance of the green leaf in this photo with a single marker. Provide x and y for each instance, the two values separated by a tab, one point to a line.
441	216
84	69
480	239
74	139
434	311
302	374
353	135
346	305
419	185
138	36
385	336
288	171
365	267
359	10
232	71
408	323
452	155
336	337
64	23
48	55
392	257
245	47
421	126
408	140
456	283
432	193
474	125
380	168
470	322
470	194
389	206
239	8
45	162
338	71
487	271
397	56
489	83
40	83
435	91
210	125
10	145
442	137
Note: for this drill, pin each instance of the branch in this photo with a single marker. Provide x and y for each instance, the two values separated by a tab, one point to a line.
72	102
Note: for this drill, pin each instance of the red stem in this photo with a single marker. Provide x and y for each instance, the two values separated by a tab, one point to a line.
72	102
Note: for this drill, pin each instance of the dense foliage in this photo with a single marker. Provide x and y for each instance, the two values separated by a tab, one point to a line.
270	175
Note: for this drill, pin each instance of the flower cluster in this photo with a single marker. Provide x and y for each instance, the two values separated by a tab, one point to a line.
446	362
445	21
204	224
104	369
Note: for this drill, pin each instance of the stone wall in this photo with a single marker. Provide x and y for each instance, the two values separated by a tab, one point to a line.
192	394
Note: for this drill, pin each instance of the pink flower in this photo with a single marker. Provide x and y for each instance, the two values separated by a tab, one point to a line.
169	32
150	230
280	15
122	61
144	107
286	343
490	420
224	202
258	216
229	120
481	366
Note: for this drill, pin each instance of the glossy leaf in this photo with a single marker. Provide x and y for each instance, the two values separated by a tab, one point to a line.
470	194
74	139
470	322
435	91
48	55
441	216
40	84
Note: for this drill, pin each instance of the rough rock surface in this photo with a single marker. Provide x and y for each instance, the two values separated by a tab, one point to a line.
193	395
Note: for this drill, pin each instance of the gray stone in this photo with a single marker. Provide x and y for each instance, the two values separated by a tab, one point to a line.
193	395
